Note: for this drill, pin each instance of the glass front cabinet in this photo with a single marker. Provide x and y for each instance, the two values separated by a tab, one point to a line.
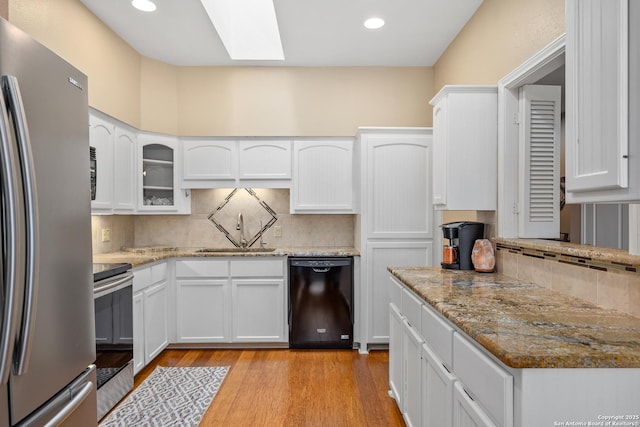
158	189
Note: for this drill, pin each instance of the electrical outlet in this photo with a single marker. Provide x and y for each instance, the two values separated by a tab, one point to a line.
277	231
106	235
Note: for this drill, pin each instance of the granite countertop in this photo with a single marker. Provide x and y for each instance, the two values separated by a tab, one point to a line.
146	255
525	325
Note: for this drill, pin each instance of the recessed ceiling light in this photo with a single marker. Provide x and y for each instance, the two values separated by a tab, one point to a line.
144	5
374	23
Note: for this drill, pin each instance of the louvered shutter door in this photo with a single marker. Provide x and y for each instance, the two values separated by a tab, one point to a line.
539	161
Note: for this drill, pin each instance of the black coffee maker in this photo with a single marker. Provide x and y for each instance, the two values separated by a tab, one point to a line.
462	236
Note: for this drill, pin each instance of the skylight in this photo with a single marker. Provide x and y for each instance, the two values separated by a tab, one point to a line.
248	28
144	5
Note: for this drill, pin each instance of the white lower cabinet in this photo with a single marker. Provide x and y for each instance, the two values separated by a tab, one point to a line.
437	390
258	307
412	348
405	358
202	310
430	394
463	385
466	412
202	301
379	256
156	324
138	332
396	382
231	300
484	380
150	315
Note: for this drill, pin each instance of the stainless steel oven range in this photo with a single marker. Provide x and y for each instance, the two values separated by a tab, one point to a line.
113	301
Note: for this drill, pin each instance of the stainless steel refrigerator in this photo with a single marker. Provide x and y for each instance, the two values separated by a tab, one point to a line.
46	303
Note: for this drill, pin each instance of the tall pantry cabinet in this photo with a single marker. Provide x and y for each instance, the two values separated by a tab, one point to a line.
395	226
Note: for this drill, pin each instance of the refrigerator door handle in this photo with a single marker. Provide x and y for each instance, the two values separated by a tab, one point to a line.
14	101
13	234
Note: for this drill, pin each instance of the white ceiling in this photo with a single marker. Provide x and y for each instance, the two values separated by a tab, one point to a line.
313	33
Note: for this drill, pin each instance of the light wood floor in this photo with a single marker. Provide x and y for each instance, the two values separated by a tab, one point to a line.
284	387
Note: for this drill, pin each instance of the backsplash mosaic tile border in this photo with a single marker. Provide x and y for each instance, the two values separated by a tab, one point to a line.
580	261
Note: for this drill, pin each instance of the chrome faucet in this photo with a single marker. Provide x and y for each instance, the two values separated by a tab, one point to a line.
240	226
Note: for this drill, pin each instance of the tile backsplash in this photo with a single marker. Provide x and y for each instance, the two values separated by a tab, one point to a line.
609	288
196	230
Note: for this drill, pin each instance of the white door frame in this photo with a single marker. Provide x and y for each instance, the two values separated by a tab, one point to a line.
550	58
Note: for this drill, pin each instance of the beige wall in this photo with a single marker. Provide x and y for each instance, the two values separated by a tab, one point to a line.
159	97
70	30
224	101
4	9
271	101
499	37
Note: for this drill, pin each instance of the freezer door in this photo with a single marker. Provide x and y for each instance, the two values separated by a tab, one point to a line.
61	344
75	406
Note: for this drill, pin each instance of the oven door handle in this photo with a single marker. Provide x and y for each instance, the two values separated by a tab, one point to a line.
113	284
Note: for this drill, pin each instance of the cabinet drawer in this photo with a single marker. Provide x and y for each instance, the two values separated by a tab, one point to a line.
411	307
256	267
158	272
438	334
484	380
141	278
395	293
149	275
202	268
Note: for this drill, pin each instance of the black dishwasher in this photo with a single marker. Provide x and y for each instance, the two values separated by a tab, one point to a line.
321	302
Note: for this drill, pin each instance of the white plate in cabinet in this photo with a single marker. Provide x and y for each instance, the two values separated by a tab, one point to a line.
486	382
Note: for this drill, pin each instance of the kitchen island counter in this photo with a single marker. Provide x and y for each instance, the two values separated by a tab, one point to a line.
146	255
526	325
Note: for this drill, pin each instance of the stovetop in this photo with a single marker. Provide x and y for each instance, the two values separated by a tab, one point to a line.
103	271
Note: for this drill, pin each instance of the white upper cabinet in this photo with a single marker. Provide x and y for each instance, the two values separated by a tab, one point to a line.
465	156
396	184
158	172
602	88
323	176
115	150
101	137
124	180
264	159
207	160
224	163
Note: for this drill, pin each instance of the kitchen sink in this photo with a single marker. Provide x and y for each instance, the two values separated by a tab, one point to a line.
242	250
